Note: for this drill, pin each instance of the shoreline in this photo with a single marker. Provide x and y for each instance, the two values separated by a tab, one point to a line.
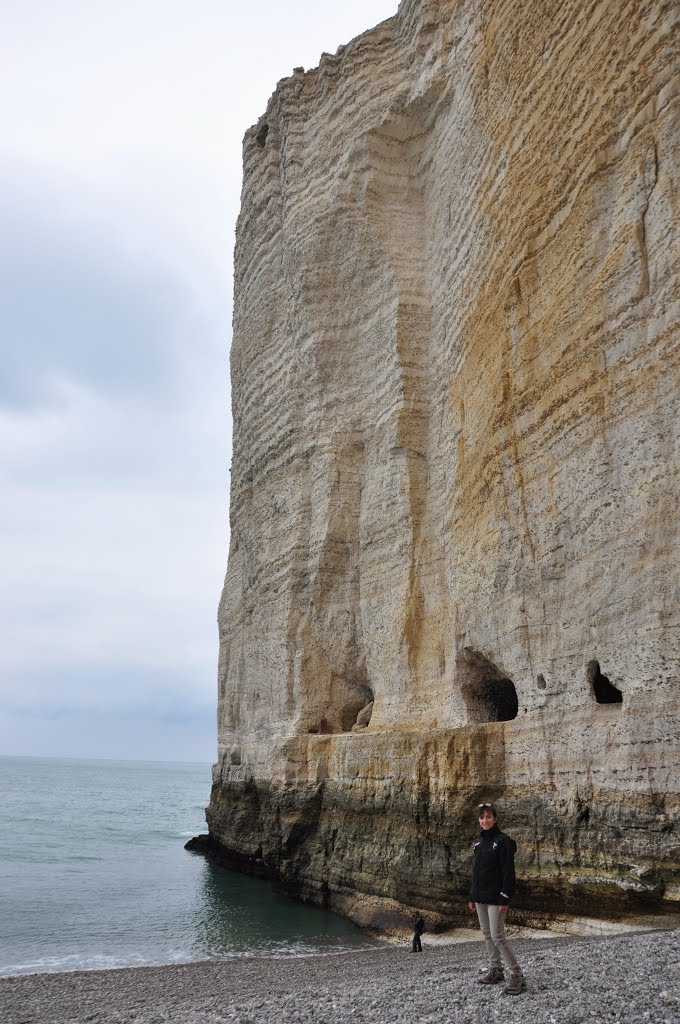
561	927
630	977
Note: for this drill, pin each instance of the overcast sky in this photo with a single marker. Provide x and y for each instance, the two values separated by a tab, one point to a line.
120	168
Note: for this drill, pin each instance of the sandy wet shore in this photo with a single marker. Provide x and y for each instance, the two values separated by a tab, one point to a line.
631	979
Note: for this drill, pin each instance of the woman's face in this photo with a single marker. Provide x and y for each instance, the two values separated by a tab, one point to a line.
486	819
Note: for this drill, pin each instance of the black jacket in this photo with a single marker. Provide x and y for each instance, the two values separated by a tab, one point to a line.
493	872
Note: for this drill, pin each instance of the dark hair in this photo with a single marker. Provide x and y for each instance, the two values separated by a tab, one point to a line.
488	807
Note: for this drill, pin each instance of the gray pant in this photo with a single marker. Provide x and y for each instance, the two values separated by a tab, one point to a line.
492	923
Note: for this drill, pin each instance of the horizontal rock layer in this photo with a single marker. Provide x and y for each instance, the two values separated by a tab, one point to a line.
455	494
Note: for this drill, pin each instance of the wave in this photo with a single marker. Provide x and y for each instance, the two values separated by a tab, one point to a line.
98	962
101	962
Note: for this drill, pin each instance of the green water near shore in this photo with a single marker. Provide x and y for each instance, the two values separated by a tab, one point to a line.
93	874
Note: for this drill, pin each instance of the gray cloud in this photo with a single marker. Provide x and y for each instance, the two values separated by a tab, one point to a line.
114	441
123	735
120	131
75	305
55	692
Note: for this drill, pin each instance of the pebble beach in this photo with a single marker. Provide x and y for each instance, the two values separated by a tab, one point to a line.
627	979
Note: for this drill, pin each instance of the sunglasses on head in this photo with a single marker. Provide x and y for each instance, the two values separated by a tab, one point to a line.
486	807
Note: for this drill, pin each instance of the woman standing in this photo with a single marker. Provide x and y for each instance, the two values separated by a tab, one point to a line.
493	883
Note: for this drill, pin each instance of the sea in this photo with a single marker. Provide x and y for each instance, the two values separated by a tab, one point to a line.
94	874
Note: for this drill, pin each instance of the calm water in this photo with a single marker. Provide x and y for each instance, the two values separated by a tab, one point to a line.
93	874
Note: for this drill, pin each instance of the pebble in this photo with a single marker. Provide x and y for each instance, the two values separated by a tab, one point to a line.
626	979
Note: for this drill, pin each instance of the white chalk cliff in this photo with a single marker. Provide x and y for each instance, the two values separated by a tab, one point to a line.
456	479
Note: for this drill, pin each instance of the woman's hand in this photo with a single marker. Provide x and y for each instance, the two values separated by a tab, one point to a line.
502	909
471	906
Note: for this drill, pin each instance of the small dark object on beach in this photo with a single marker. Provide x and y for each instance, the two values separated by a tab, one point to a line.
418	929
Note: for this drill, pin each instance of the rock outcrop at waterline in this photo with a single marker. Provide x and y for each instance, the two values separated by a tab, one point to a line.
455	481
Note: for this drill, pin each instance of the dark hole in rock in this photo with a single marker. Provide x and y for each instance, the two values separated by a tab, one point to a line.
584	815
349	694
363	717
261	136
604	690
489	695
500	697
360	707
540	681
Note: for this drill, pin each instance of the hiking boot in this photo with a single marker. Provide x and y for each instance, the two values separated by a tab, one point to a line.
515	985
492	977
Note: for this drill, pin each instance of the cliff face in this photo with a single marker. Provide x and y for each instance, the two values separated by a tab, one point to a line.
455	482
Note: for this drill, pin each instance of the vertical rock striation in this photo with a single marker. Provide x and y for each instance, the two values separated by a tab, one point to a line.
455	481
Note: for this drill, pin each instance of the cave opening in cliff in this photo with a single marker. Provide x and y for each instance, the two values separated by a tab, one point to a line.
604	690
499	697
357	711
489	695
349	706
